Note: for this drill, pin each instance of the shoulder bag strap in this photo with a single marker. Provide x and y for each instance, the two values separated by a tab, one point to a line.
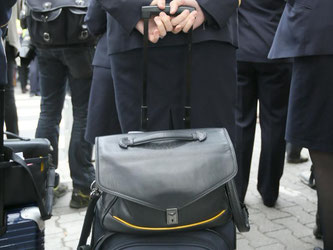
88	220
239	211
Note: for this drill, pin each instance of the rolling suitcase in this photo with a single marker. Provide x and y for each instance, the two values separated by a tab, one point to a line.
25	230
26	177
26	189
149	223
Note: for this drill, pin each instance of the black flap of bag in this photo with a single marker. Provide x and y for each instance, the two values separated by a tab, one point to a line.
58	22
50	5
176	177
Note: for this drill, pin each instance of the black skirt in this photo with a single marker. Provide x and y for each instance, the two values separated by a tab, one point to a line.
310	114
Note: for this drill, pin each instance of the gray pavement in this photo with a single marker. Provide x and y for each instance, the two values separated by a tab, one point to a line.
287	226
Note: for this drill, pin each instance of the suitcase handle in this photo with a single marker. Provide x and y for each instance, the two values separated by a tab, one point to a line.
146	12
16	136
44	208
131	142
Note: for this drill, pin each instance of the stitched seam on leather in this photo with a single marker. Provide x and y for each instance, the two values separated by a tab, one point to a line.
107	210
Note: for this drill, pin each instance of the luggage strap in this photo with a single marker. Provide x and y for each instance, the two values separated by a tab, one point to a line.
239	211
45	209
147	11
88	220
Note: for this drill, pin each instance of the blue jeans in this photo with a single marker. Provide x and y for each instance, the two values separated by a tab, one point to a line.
58	66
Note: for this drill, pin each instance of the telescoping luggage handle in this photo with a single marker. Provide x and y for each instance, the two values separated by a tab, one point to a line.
239	210
147	12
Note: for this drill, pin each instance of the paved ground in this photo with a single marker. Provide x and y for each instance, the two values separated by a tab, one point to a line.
287	226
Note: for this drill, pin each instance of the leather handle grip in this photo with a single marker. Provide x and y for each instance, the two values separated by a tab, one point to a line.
16	136
148	11
193	136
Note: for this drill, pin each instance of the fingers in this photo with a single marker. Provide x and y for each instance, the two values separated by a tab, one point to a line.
160	26
139	26
186	24
159	3
180	18
154	35
166	21
174	5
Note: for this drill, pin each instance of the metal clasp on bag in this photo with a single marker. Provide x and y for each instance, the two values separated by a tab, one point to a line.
80	2
172	216
95	192
84	33
46	37
47	6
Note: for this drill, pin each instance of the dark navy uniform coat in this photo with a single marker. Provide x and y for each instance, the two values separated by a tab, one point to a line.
306	33
213	68
258	21
125	15
306	28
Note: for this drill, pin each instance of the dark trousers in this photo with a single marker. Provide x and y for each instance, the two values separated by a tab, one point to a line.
23	71
269	84
34	77
213	87
11	119
57	65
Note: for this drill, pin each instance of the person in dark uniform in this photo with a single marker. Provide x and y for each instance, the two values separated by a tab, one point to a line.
213	66
305	33
267	81
5	13
102	116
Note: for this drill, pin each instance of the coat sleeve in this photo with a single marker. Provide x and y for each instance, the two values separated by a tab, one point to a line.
219	10
95	18
5	11
126	12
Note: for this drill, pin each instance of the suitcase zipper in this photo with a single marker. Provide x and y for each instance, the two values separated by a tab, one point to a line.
169	228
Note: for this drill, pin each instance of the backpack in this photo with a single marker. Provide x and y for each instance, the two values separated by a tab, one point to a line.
57	22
